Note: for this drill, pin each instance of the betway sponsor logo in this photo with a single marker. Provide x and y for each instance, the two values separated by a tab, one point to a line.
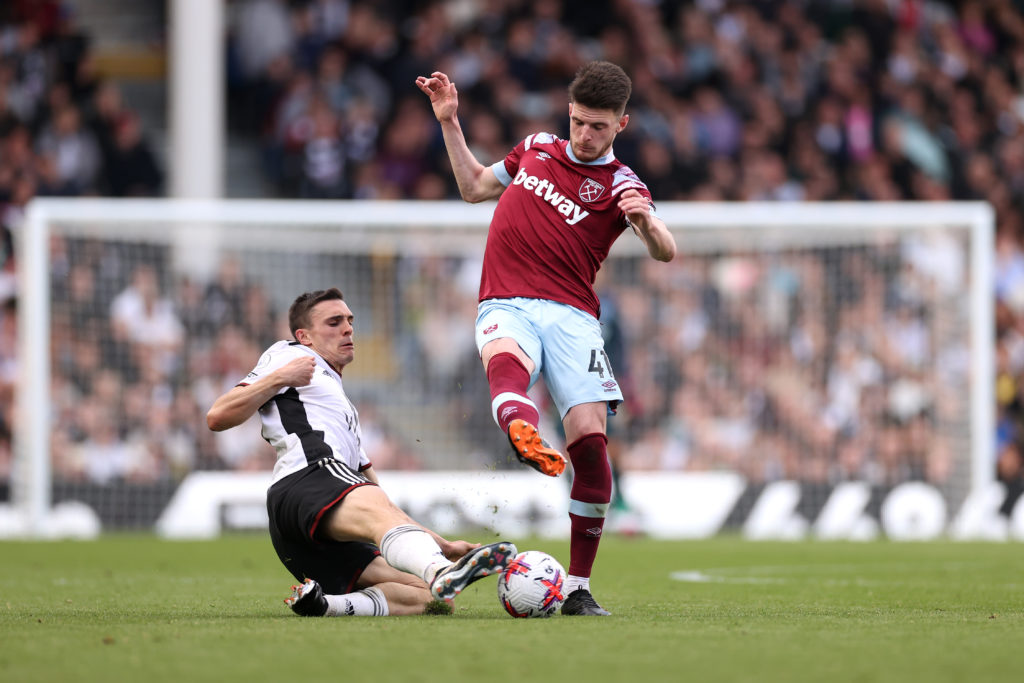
545	189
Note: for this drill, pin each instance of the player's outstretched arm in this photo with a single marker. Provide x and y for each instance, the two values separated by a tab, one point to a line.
476	182
661	245
237	405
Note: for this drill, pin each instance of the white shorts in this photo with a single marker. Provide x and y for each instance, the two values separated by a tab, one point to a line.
564	343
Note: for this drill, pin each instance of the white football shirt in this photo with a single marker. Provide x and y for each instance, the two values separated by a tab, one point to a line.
305	424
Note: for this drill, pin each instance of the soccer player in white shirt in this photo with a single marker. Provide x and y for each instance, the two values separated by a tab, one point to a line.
333	527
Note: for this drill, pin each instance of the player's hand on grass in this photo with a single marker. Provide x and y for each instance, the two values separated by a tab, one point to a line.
444	98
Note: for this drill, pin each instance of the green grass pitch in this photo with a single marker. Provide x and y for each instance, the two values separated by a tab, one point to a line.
134	608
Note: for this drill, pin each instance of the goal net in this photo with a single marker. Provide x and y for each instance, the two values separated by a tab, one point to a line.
812	345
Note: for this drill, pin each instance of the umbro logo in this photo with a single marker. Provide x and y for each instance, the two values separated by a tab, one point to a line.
324	372
543	156
492	328
594	531
609	385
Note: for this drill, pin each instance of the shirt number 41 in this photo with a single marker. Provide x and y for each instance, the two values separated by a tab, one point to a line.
600	364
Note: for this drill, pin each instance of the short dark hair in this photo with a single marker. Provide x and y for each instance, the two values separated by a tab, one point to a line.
298	312
601	85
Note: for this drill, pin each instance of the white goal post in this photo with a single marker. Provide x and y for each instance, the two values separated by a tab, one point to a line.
746	295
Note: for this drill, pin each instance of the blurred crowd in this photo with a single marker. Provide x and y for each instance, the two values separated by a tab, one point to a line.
770	100
64	131
766	100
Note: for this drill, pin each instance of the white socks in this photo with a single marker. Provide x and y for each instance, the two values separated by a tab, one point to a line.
411	549
369	602
406	547
574	582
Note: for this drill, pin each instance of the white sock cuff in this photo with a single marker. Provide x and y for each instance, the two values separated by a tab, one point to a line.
369	602
392	535
574	582
410	549
505	397
596	510
380	603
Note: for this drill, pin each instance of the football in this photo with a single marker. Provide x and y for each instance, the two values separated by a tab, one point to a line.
531	585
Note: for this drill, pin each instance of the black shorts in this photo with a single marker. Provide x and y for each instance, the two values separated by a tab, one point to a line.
296	505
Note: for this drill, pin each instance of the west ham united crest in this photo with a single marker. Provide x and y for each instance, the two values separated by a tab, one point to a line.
591	190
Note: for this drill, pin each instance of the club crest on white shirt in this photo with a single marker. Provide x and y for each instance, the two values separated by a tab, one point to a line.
591	190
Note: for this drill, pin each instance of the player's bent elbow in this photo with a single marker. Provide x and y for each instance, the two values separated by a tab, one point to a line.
664	253
474	196
216	422
483	187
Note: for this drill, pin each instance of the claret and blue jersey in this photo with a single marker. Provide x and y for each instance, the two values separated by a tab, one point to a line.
555	222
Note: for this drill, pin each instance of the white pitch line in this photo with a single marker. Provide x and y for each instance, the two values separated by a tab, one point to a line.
701	577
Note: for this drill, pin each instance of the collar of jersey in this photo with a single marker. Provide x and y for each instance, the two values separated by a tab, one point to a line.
606	159
320	362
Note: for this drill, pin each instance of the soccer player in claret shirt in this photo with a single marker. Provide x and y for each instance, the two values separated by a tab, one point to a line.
333	527
562	203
